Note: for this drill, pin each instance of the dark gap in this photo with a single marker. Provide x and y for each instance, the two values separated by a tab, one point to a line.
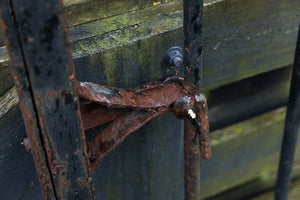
247	98
90	134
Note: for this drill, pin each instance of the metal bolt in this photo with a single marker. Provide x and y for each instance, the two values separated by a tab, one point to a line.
174	56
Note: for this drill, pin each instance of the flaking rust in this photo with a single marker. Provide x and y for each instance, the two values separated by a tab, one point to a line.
129	109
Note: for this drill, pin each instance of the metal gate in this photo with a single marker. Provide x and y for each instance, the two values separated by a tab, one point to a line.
55	120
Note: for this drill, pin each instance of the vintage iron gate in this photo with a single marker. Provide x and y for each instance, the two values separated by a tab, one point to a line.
38	45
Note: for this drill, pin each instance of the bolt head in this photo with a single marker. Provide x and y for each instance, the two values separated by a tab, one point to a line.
177	61
174	56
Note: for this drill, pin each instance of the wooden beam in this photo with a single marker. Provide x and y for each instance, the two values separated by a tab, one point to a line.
232	51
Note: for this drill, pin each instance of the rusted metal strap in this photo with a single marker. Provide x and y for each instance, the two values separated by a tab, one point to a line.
291	128
129	109
38	46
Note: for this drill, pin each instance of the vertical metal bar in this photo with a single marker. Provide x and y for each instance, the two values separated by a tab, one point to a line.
25	99
193	10
289	141
38	46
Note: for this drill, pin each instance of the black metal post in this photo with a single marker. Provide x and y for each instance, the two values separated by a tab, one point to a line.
289	141
41	63
193	10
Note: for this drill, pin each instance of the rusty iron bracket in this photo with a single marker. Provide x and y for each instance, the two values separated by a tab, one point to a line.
129	109
55	120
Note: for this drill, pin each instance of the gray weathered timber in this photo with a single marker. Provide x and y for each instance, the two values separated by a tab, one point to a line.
82	11
6	79
125	170
228	104
8	101
132	171
157	173
17	170
269	195
249	38
160	160
233	49
247	149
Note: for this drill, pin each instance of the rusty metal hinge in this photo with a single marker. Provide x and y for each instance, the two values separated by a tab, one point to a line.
52	108
129	109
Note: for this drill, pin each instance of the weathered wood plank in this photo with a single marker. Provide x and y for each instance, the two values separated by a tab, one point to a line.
8	101
294	193
18	177
239	53
261	187
132	165
244	152
6	79
230	103
82	11
155	140
248	39
132	171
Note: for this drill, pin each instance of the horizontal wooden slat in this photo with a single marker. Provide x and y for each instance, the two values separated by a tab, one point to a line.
6	79
241	39
228	104
245	152
8	101
242	153
249	38
83	11
261	188
161	144
294	193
